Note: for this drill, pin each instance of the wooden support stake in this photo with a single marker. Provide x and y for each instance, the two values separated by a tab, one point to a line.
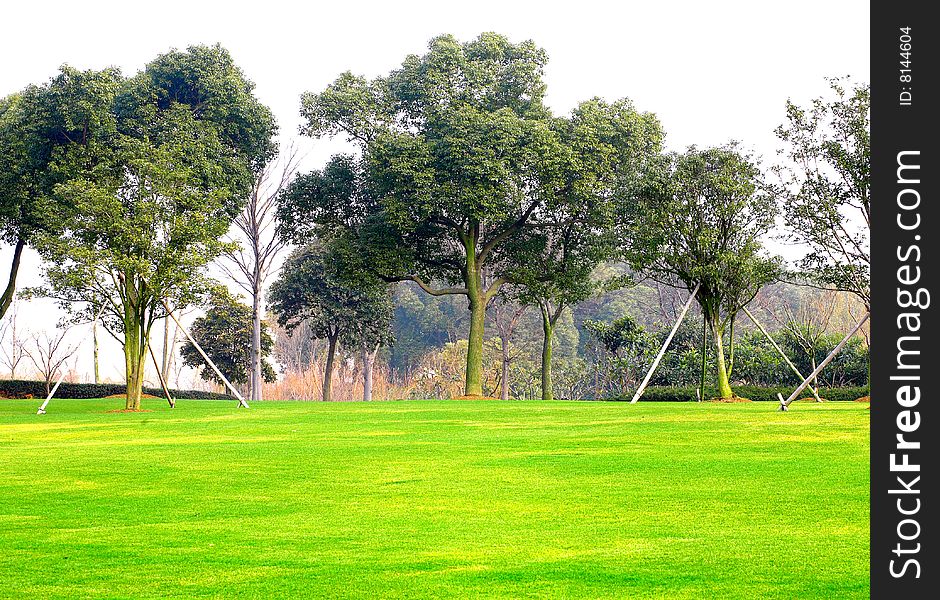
784	404
241	400
156	366
777	348
662	351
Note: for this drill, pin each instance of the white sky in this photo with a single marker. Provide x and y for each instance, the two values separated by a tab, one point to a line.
712	71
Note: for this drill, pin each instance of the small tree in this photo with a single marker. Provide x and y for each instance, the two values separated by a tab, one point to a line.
698	218
312	291
48	353
506	316
622	349
225	333
825	186
13	342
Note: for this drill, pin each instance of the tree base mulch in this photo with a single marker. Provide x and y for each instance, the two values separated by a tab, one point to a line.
866	399
128	410
144	395
811	399
731	400
475	397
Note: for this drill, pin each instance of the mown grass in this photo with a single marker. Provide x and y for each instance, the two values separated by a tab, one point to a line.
430	499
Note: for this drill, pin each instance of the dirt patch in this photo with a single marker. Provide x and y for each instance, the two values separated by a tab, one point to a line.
128	410
475	397
866	399
125	396
811	399
731	400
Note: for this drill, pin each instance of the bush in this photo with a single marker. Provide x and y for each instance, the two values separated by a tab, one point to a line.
756	393
20	388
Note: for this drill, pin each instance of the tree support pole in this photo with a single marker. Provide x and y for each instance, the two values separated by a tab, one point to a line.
45	403
779	351
784	404
241	400
156	366
662	351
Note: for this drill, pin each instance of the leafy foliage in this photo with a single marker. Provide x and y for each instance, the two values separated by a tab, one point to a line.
224	333
172	161
698	219
825	189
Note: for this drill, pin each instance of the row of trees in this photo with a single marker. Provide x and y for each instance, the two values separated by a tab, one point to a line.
464	184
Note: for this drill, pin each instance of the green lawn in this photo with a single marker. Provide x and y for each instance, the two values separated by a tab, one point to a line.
434	499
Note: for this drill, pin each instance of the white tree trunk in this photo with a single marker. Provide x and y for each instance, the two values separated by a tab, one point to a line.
257	379
368	366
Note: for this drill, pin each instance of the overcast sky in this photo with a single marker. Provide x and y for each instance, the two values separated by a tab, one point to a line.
712	71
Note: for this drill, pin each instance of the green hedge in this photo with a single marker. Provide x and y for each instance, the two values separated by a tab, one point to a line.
19	388
760	394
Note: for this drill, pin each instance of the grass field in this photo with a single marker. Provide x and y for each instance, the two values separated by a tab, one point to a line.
434	499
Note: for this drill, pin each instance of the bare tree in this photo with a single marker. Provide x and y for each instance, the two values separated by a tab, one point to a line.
12	341
506	317
49	353
808	323
250	264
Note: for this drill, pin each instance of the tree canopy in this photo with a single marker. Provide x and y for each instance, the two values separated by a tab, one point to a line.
311	290
825	188
698	218
175	150
461	164
224	333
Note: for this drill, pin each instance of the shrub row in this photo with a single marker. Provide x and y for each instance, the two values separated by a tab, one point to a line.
758	394
20	388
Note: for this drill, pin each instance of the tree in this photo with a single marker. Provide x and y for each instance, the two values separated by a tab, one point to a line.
48	353
43	131
13	344
311	290
825	187
258	246
698	219
460	159
606	144
225	334
506	316
176	150
623	347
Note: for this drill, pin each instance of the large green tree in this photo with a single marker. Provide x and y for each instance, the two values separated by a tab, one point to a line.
177	149
569	239
461	162
699	218
311	289
45	133
225	334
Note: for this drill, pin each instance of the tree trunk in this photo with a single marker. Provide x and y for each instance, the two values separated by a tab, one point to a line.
256	380
724	385
548	329
504	375
94	335
368	364
328	370
474	380
730	369
7	298
701	396
135	348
